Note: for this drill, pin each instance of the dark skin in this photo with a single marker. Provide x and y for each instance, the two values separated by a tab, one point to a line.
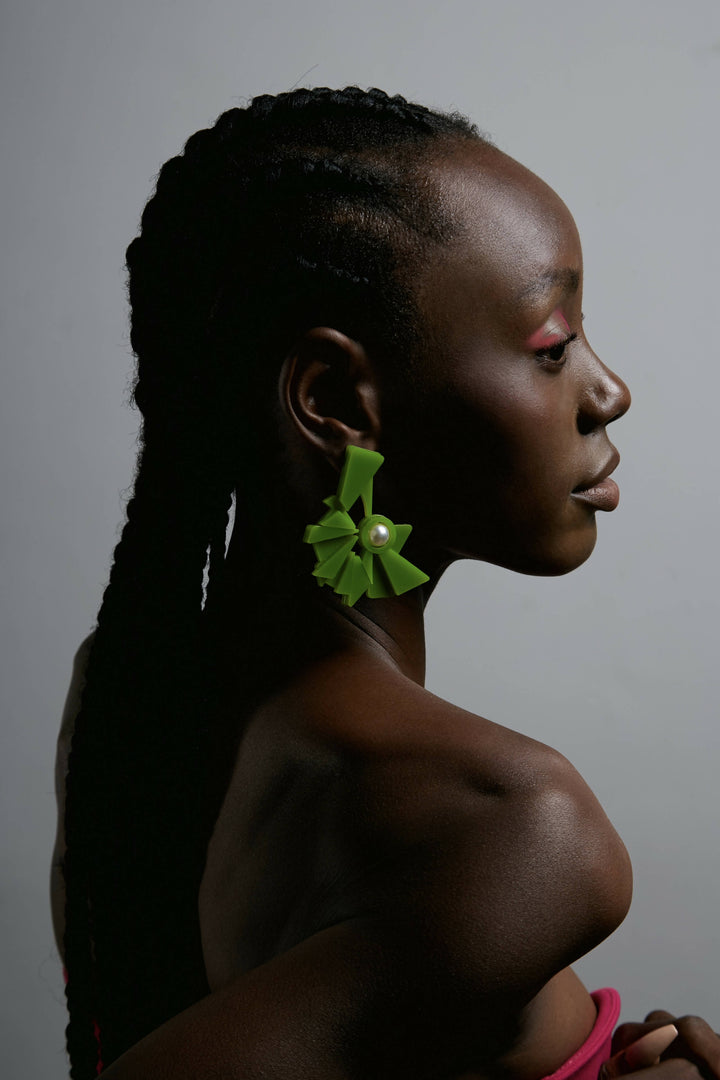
396	887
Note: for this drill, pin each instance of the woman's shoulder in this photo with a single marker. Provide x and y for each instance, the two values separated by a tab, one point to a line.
411	772
392	805
378	724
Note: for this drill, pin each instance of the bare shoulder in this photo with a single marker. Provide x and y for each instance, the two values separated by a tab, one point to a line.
410	748
491	839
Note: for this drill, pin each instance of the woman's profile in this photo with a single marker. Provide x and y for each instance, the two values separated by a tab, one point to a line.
279	855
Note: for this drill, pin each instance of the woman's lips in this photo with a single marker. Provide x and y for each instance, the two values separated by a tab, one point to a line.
605	495
598	490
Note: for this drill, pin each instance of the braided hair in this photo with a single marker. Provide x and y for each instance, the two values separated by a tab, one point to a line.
302	209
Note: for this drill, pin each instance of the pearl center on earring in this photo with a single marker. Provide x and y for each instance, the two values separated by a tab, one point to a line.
378	535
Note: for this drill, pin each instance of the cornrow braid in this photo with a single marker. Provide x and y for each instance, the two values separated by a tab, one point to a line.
302	209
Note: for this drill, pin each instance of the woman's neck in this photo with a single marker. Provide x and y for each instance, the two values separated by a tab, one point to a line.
393	629
275	619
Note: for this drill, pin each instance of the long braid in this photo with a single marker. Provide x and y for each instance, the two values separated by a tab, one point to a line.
126	770
298	210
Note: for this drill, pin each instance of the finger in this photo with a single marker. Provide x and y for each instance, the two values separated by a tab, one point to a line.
647	1050
630	1032
701	1041
671	1069
694	1027
660	1015
642	1053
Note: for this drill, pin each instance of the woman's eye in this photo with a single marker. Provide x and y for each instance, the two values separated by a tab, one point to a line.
555	354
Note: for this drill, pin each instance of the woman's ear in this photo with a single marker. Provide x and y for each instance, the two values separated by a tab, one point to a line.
329	391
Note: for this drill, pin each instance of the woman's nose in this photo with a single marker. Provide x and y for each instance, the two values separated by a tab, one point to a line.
605	397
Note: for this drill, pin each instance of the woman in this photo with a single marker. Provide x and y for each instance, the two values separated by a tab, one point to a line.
284	856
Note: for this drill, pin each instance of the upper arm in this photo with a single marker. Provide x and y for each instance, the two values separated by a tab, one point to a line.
464	917
492	888
345	1004
298	1015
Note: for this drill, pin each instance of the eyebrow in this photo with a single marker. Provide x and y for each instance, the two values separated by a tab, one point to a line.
567	277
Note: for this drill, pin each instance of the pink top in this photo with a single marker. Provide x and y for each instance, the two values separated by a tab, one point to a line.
585	1063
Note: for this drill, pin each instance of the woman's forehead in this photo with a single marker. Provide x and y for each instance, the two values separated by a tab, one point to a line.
515	250
513	230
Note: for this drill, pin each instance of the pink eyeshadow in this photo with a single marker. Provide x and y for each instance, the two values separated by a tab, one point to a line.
550	333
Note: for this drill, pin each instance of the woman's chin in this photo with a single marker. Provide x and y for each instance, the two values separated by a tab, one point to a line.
553	560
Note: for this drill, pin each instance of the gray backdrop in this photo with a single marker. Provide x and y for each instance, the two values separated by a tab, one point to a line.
615	103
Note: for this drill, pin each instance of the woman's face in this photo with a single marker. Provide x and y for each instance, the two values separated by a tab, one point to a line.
512	456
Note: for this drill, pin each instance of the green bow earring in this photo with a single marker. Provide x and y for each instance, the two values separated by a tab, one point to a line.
378	569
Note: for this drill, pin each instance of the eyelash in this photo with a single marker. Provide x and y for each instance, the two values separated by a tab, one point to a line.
555	354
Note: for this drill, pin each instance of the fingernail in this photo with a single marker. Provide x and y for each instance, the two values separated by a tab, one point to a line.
647	1049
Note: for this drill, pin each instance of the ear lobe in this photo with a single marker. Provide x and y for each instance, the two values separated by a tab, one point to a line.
329	390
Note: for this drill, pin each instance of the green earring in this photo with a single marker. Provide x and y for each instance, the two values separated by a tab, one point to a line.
378	569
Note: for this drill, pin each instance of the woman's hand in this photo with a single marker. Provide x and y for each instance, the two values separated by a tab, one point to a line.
671	1048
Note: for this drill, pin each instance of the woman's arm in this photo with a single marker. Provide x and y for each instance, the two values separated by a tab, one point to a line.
346	1004
308	1015
72	707
298	1016
465	925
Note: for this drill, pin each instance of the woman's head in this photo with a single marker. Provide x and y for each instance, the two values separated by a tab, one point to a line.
498	425
395	253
